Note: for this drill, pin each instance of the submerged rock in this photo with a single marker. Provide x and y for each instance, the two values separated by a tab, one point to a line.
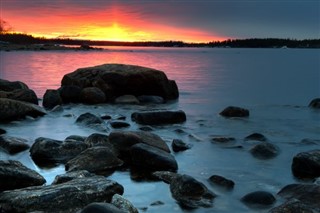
92	121
264	150
159	117
256	137
65	197
306	164
315	103
233	111
259	199
51	99
14	175
13	145
223	140
221	181
178	145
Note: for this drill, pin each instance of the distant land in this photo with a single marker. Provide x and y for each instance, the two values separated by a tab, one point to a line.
16	41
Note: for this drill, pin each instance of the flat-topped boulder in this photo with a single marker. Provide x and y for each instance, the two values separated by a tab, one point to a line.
116	80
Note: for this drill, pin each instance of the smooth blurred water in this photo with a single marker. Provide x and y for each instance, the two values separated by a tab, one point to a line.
276	85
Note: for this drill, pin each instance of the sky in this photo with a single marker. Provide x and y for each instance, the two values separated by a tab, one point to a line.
162	20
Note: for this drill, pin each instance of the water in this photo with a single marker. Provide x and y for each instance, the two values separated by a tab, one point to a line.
276	85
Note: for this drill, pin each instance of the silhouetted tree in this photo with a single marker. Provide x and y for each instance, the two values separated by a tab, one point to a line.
4	27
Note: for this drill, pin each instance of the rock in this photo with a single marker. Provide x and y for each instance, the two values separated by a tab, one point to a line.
315	103
94	159
101	208
92	121
2	131
46	151
66	197
92	95
165	176
264	150
14	175
178	145
157	203
9	86
294	206
97	139
51	99
259	199
308	194
233	111
70	94
13	145
159	117
256	137
146	128
12	110
221	181
306	164
123	204
25	95
223	139
126	99
307	141
119	124
57	109
75	138
72	175
158	160
106	117
191	193
150	99
119	79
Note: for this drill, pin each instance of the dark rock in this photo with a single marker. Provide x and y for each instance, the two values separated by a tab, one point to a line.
75	138
70	94
51	99
126	99
150	99
101	208
256	137
123	204
157	203
119	124
13	145
159	117
92	95
25	95
2	131
264	150
165	176
14	175
57	109
72	175
308	194
118	79
259	199
97	139
94	159
66	197
223	139
146	128
180	131
12	110
233	111
306	164
221	181
178	145
9	86
294	206
191	193
307	141
92	121
106	117
158	160
120	117
46	151
315	103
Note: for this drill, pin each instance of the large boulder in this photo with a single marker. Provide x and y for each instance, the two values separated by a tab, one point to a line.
119	79
12	110
66	197
159	117
51	99
26	95
11	85
14	175
306	164
13	145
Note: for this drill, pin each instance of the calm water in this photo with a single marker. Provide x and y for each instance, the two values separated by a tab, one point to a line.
276	85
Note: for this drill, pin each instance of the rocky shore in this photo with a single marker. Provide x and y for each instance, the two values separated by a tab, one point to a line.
88	160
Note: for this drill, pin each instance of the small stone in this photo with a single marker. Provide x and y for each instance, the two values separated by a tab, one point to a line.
178	145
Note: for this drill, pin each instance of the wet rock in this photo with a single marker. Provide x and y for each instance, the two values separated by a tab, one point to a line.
306	164
294	206
191	193
92	95
123	204
25	95
75	138
165	176
97	139
94	159
57	109
92	121
315	103
259	199
2	131
9	86
13	145
14	175
72	175
70	94
119	79
106	117
159	117
158	160
12	110
146	128
65	197
264	150
256	137
46	151
126	99
233	111
221	181
223	140
119	124
178	145
307	141
101	208
150	99
51	99
308	194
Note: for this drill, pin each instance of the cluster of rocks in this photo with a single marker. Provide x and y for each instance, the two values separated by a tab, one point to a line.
88	160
